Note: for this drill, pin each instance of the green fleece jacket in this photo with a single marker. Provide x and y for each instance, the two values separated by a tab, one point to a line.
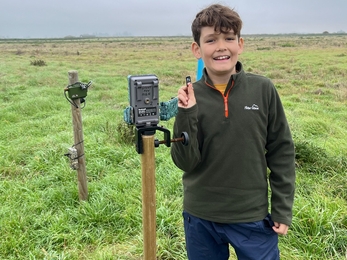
238	143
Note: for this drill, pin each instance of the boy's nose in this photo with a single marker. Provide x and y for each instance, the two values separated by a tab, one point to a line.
221	49
220	46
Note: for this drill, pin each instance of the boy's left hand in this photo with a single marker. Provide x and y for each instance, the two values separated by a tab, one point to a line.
280	228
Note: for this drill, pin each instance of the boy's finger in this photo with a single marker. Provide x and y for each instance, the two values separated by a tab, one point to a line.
190	88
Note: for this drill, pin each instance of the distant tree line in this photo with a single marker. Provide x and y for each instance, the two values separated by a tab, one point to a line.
338	32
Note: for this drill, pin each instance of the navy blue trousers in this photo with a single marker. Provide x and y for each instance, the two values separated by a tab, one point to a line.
210	240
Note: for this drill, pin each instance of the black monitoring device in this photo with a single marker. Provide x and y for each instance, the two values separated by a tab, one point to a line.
144	99
145	110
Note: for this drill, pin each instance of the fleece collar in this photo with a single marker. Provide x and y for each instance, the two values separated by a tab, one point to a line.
234	77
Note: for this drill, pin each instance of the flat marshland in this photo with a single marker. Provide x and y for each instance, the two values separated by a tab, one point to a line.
41	216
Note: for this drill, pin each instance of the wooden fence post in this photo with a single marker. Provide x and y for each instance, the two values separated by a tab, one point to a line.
78	139
148	198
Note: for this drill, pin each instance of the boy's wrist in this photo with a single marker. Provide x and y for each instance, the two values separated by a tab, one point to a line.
187	109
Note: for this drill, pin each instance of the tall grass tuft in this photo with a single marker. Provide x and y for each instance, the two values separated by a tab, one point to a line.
38	63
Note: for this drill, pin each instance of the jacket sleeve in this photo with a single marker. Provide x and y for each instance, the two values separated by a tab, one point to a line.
280	158
186	157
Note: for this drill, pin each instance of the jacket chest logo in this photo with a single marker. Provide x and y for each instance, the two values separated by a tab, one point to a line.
252	107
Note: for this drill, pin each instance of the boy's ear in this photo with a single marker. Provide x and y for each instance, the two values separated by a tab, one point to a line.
241	43
196	50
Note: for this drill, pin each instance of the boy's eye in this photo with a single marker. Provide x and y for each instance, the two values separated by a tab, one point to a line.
209	40
230	38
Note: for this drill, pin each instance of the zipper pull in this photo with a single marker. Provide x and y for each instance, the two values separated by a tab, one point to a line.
226	110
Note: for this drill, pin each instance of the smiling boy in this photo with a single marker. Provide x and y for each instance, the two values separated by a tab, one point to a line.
237	130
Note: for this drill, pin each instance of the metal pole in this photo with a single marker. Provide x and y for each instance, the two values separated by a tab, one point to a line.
78	139
148	198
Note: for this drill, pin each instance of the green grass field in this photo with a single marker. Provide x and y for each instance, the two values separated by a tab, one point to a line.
41	216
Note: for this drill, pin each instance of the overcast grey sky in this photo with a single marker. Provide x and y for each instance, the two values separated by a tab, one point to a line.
59	18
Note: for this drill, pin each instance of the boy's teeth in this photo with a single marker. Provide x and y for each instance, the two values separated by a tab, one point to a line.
222	57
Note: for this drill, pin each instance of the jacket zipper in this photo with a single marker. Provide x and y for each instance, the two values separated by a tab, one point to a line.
225	98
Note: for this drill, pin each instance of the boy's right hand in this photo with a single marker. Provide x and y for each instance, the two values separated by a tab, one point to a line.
186	97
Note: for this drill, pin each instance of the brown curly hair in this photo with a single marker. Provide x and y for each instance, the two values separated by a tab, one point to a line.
221	17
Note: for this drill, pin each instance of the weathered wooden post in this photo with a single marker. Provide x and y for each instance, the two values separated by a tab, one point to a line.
78	140
148	198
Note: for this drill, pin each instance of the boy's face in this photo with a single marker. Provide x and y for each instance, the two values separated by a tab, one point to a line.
219	52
